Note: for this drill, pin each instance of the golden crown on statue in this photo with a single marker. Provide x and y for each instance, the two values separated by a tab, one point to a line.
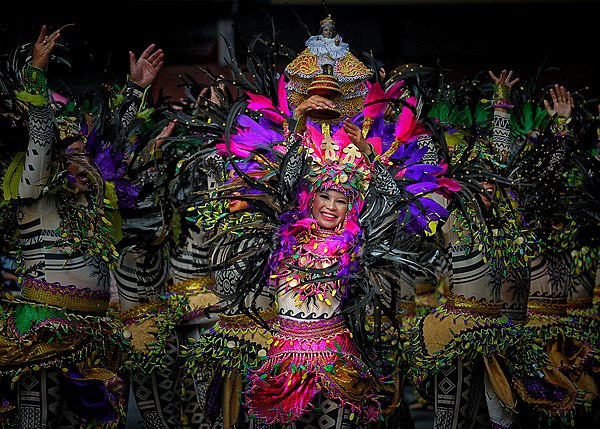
327	22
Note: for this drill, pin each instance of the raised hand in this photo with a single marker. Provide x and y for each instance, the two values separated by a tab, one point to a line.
166	132
313	102
355	134
505	78
43	48
562	102
144	70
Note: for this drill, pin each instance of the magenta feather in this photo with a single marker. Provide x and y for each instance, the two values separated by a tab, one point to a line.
449	184
252	137
235	148
406	122
260	103
395	90
374	101
282	96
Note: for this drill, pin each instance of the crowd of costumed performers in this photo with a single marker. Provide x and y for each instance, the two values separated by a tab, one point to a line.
87	215
296	243
503	346
489	169
62	346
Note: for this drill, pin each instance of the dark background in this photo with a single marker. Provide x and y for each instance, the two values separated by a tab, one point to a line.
465	37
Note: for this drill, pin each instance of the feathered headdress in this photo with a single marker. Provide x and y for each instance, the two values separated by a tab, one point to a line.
336	162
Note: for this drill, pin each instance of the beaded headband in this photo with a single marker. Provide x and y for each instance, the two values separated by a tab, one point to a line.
331	185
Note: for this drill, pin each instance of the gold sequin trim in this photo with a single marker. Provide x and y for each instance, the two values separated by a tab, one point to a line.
242	319
141	310
19	354
472	304
547	308
580	303
65	297
193	285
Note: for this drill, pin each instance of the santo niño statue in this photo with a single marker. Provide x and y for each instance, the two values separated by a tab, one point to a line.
327	67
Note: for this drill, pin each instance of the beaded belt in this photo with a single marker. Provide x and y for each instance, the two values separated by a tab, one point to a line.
310	330
66	297
322	337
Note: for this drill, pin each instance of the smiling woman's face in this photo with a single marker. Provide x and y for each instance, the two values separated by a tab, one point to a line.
491	189
329	208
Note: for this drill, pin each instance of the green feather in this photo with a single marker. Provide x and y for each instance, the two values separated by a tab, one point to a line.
37	100
12	177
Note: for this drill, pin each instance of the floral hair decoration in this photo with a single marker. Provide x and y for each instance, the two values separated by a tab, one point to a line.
336	163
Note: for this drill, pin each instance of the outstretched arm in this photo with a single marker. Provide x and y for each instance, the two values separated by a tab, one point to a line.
44	46
560	113
41	117
503	84
142	73
562	102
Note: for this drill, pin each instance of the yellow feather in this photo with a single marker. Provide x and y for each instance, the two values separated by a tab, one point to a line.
10	182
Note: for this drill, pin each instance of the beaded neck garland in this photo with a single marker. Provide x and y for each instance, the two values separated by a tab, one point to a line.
321	242
307	263
84	228
213	216
563	237
510	245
